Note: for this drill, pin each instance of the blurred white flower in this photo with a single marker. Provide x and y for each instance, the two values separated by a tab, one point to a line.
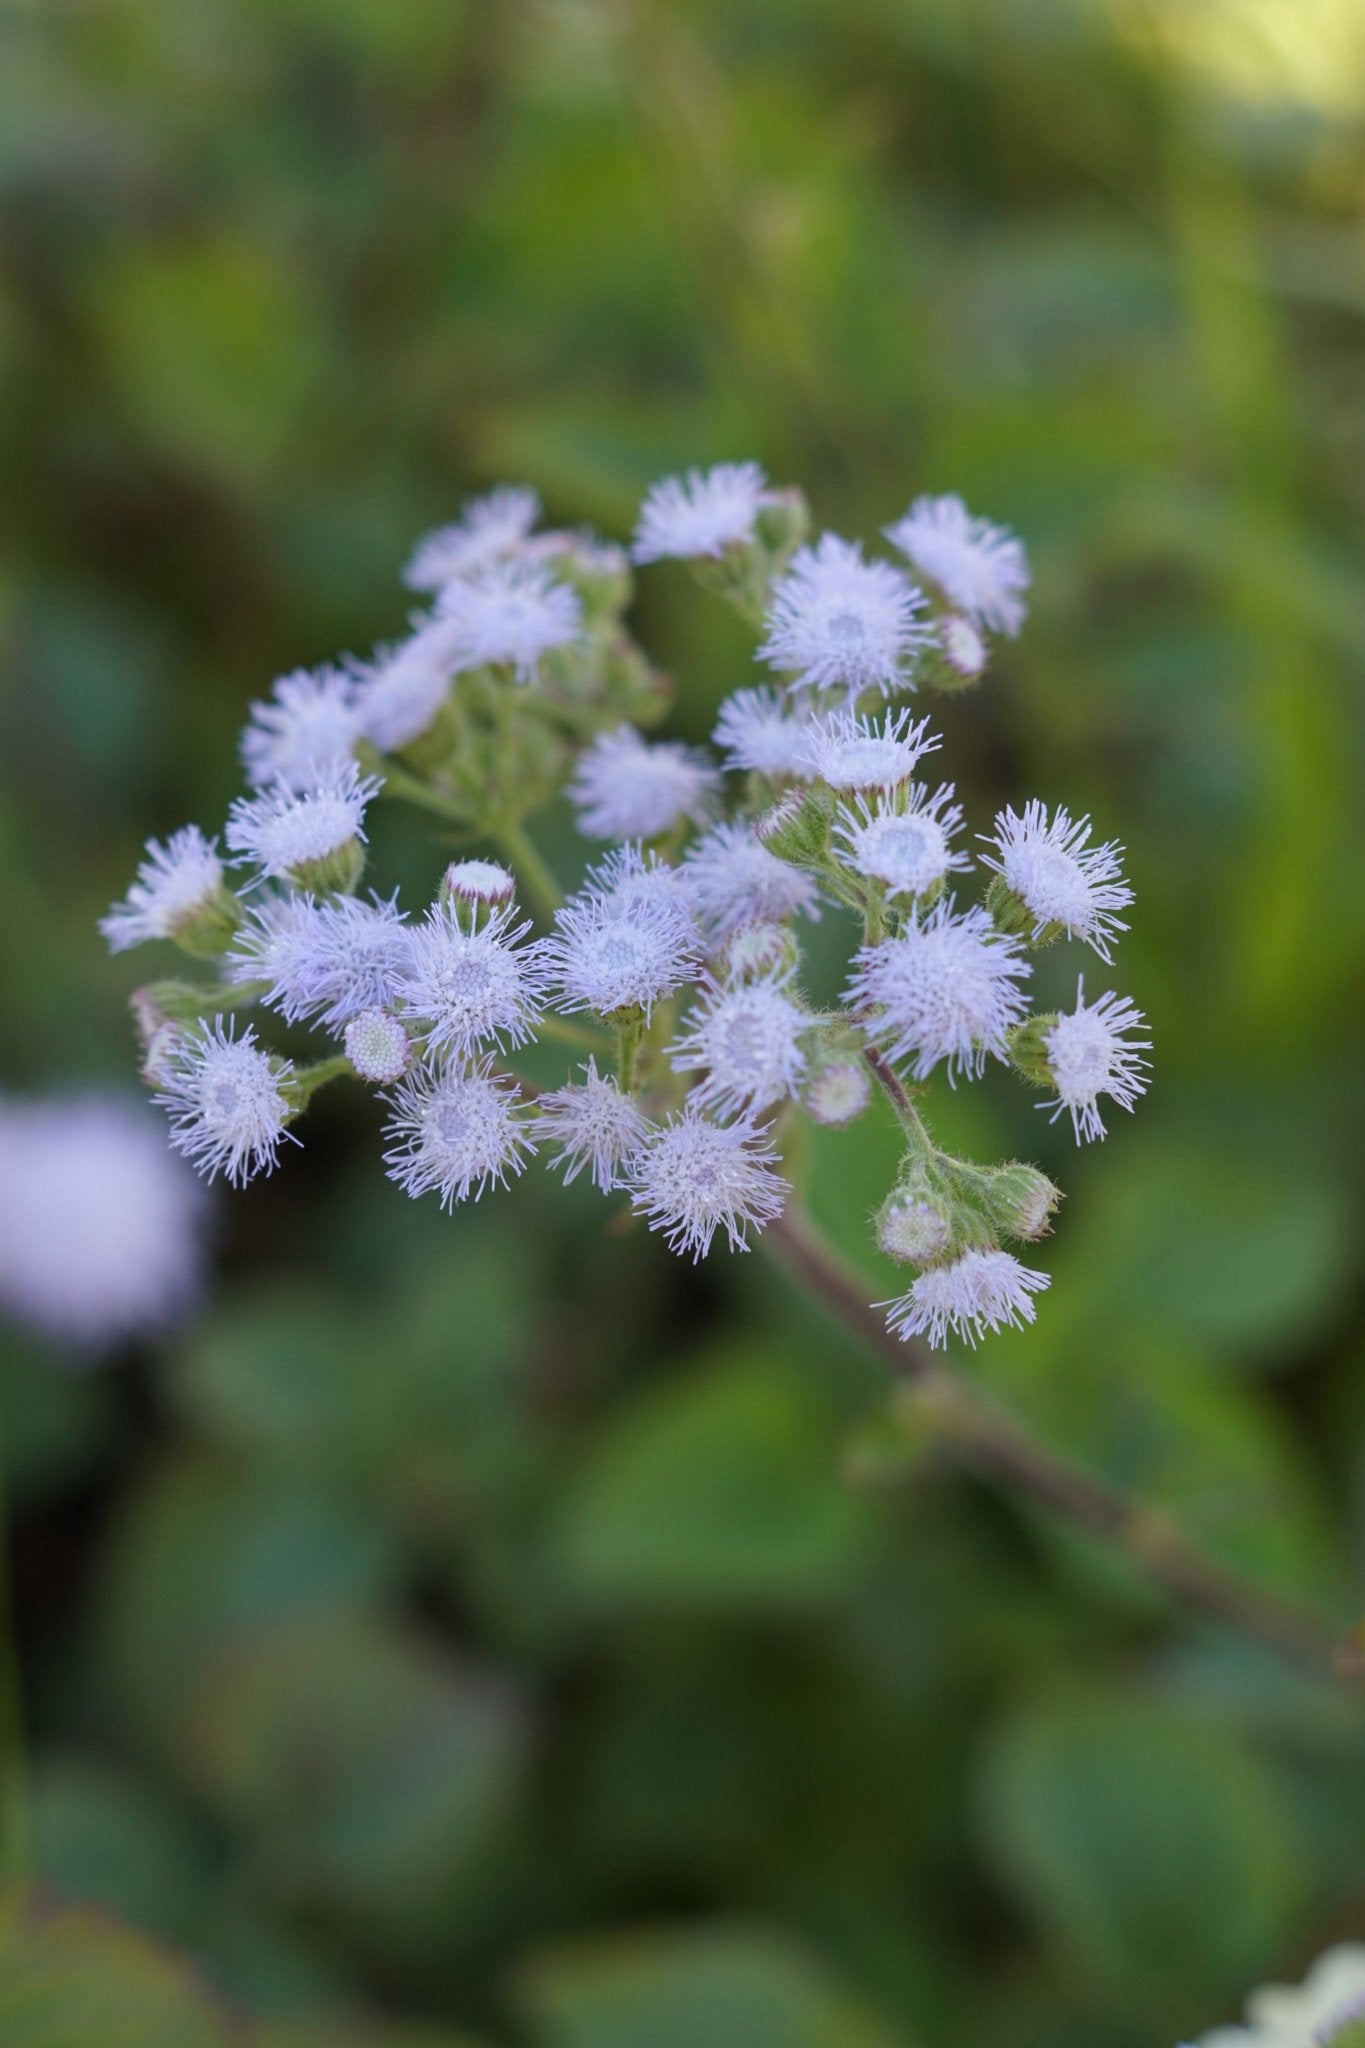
304	732
624	788
840	623
489	529
101	1227
1308	2015
701	513
979	567
174	884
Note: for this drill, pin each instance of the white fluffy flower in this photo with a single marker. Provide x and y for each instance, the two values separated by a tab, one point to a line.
733	880
101	1227
400	691
747	1042
626	939
328	960
701	513
946	988
912	1229
962	646
1310	2015
695	1177
227	1105
1088	1056
624	788
849	752
509	615
453	1132
979	567
596	1124
489	529
838	1093
304	732
908	849
174	884
378	1047
758	730
462	988
1058	876
838	622
977	1292
283	831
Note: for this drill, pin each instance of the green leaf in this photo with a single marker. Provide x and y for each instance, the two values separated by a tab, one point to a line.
1151	1842
72	1979
107	1838
728	1987
717	1488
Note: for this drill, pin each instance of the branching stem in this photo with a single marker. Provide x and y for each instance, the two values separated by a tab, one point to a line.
1000	1448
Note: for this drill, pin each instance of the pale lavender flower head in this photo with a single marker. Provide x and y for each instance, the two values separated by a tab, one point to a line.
378	1046
175	883
402	689
702	513
489	529
304	732
979	567
596	1124
912	1229
695	1177
509	615
980	1291
226	1099
837	1093
1089	1055
1058	876
283	832
624	788
101	1227
626	940
907	848
946	988
747	1042
759	730
461	989
840	623
455	1131
733	880
323	960
853	753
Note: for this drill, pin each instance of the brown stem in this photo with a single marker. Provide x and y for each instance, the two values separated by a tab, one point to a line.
996	1446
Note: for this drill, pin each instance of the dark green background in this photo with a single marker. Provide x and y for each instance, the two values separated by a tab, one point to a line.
490	1622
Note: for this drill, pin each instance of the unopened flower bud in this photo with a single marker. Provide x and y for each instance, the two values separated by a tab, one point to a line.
782	524
796	828
839	1092
476	888
1020	1200
759	949
912	1229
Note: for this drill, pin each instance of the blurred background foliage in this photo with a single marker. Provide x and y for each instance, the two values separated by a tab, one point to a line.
490	1631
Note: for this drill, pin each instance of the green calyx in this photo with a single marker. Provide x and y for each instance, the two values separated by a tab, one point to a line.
209	926
1027	1045
335	874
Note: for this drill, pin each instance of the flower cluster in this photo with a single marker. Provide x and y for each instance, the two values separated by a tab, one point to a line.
675	964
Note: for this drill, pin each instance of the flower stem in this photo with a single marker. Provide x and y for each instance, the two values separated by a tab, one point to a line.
998	1447
521	850
13	1800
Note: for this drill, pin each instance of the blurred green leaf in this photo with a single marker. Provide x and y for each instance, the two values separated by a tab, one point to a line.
724	1988
70	1979
105	1837
1154	1843
716	1487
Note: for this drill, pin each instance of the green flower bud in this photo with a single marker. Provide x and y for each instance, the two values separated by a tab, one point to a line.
1020	1200
797	827
1027	1044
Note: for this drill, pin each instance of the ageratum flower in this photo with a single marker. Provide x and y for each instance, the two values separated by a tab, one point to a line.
461	989
695	1177
1088	1055
759	730
626	940
840	623
455	1132
227	1102
289	834
908	849
508	615
624	788
733	880
946	988
596	1124
982	1290
489	529
323	960
979	567
306	731
176	884
746	1040
1058	877
701	513
853	753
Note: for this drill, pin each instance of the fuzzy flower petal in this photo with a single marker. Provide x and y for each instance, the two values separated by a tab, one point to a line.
946	988
908	848
852	753
624	788
174	882
305	732
226	1101
1058	876
489	529
695	1177
701	513
282	830
626	940
509	615
980	567
980	1291
733	880
747	1042
455	1132
461	989
1088	1055
840	623
759	730
596	1124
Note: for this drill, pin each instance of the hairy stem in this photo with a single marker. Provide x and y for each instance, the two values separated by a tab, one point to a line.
998	1447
